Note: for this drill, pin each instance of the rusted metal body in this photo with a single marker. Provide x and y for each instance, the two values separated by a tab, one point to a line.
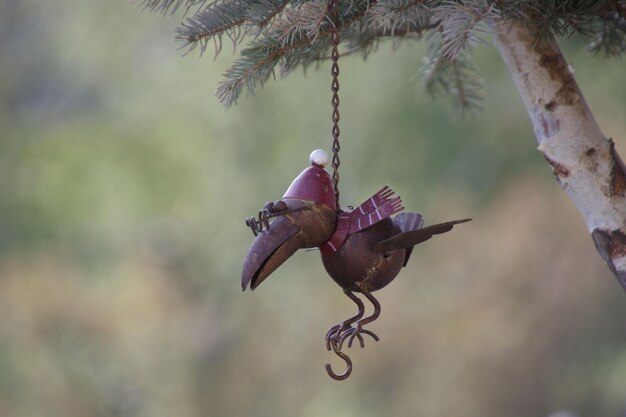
362	249
358	262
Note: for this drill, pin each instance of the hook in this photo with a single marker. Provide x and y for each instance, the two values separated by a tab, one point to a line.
346	359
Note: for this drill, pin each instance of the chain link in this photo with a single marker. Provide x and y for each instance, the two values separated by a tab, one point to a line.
332	7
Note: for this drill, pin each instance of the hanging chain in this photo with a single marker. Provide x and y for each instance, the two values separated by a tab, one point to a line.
332	7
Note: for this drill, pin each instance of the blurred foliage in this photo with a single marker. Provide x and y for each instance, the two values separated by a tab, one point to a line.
124	187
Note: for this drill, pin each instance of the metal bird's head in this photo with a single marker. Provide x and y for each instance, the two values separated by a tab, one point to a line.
304	218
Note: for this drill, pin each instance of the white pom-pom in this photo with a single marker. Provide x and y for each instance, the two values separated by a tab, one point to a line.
319	157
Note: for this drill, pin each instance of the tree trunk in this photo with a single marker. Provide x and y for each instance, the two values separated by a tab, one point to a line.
583	160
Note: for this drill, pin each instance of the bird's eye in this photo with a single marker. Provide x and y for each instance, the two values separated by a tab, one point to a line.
279	206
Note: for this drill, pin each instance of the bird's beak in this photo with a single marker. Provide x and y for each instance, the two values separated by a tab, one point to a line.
270	249
303	225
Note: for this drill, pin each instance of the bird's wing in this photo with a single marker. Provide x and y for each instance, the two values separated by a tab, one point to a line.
381	205
409	222
412	238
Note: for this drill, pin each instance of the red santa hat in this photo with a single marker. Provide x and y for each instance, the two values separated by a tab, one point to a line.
314	183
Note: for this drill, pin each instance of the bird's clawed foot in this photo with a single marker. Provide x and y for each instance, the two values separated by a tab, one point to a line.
339	333
346	331
335	339
356	332
335	334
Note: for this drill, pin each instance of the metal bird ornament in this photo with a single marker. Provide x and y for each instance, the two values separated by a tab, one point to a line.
363	249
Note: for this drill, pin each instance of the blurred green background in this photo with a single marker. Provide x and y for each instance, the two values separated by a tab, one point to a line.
123	189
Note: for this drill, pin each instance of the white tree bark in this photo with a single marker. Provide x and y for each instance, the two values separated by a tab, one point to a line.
583	160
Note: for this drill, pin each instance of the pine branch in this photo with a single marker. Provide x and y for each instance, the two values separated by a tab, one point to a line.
549	19
305	56
458	23
388	17
293	32
456	78
285	45
466	90
169	6
218	19
251	69
611	37
255	67
262	12
357	39
304	20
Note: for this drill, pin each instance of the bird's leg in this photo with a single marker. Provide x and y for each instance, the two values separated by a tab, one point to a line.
335	333
357	331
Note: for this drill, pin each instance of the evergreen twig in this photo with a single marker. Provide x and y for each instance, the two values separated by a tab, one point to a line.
395	16
292	33
458	23
457	78
290	48
225	18
261	13
169	6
